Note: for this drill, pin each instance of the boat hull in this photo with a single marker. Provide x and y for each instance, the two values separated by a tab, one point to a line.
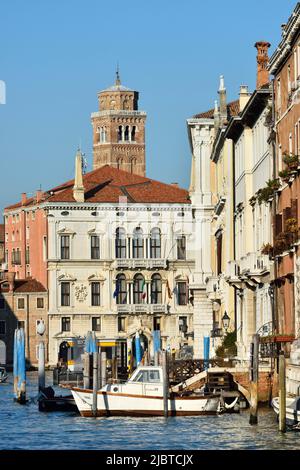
118	404
292	409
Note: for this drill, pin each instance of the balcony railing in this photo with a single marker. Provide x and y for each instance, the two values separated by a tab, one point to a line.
153	263
254	263
142	308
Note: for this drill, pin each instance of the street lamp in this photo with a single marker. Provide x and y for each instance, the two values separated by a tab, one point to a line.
225	321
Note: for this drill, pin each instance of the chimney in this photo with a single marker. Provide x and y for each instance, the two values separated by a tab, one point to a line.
262	77
244	96
216	117
39	195
10	278
78	189
23	198
175	184
223	104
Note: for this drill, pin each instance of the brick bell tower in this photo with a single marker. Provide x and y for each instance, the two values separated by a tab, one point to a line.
119	130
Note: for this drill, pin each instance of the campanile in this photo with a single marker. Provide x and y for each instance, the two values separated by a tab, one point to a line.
119	130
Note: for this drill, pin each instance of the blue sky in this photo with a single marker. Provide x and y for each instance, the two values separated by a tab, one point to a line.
56	55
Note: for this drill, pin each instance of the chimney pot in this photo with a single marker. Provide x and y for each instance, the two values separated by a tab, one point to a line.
39	194
262	76
175	184
23	198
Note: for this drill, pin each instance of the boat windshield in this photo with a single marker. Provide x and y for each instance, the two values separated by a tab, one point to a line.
148	376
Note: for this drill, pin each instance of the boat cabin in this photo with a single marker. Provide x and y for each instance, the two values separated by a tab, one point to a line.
146	380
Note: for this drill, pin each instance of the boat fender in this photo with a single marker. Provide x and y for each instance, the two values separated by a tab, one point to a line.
232	405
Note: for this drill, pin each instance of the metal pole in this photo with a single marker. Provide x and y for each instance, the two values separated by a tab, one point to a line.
165	382
86	371
103	368
254	379
41	365
282	393
156	358
95	382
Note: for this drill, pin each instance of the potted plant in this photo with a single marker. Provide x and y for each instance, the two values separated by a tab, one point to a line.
285	175
291	160
267	249
291	225
267	192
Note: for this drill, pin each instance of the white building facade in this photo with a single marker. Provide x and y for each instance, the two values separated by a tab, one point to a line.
119	268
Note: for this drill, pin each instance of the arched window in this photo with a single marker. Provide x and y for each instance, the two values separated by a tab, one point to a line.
133	133
121	289
103	134
139	289
120	243
126	133
119	163
156	289
120	133
138	243
155	243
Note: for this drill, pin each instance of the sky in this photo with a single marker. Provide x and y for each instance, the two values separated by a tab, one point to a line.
57	55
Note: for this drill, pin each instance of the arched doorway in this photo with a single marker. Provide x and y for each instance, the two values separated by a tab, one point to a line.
2	353
63	354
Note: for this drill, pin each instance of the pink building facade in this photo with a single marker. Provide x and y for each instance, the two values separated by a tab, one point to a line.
26	239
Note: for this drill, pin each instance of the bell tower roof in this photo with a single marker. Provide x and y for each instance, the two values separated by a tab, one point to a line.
117	86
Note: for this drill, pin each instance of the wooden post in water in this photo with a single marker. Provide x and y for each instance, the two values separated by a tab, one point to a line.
103	368
86	371
165	382
95	383
282	393
254	349
41	365
99	370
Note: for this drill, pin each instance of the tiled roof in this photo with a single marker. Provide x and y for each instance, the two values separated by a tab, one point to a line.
107	184
233	109
29	202
2	233
28	285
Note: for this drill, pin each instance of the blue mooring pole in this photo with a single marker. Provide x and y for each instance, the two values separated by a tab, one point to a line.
19	367
206	352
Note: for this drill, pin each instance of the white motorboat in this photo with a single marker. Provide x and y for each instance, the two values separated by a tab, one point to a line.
292	409
3	375
142	395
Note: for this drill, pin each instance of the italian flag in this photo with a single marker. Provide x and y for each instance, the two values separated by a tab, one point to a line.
144	291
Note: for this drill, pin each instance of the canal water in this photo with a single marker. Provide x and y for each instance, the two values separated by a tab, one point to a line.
24	427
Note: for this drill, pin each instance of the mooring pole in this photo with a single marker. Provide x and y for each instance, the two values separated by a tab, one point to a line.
254	350
165	382
103	368
95	382
86	371
99	370
282	393
41	365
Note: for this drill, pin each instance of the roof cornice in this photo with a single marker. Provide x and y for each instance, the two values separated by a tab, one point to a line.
284	47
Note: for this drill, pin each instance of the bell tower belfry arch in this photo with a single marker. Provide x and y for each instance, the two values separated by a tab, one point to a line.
119	130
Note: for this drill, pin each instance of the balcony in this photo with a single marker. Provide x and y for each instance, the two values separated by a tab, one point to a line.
4	267
141	263
142	308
